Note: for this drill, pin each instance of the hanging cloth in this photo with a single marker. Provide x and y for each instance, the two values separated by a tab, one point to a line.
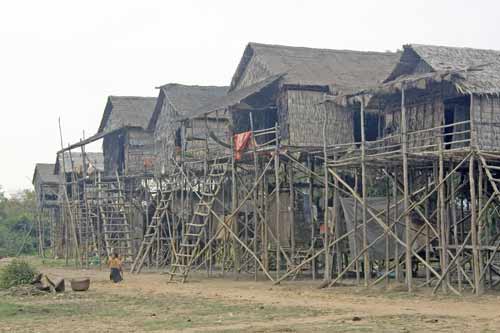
241	141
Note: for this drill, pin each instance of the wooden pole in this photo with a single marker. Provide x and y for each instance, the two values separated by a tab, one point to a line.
265	238
480	225
255	197
355	237
234	204
473	219
40	233
313	225
473	204
406	192
326	241
77	254
335	223
427	233
278	204
291	210
386	235
453	215
442	212
366	260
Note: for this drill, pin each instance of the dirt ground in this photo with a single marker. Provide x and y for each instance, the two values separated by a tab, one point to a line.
146	302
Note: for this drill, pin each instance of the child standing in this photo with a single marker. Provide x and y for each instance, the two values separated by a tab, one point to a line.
115	265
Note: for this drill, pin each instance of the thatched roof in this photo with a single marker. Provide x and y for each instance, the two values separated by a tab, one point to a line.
237	96
45	173
96	159
342	70
470	70
184	99
126	111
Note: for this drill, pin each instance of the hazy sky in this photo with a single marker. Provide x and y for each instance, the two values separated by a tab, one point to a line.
63	58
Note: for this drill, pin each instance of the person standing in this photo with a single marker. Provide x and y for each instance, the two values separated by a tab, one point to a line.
115	266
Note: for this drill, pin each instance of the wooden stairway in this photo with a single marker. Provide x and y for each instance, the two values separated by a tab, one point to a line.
152	230
195	228
116	228
86	233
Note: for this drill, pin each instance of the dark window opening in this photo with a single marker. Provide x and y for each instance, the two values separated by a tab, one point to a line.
121	154
456	110
178	139
449	116
374	125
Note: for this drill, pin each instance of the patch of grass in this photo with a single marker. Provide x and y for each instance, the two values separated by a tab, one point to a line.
384	323
159	312
138	313
180	312
49	262
18	311
16	273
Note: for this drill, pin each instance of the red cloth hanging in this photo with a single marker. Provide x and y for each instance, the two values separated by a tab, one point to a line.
241	141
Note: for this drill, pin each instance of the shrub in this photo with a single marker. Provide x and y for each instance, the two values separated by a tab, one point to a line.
16	273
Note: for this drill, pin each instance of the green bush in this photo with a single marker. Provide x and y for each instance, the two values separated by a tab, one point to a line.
16	273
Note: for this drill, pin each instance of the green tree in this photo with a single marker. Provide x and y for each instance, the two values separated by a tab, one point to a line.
17	223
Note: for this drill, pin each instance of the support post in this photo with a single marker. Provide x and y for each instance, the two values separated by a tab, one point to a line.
278	204
256	179
473	221
366	255
406	203
442	212
291	210
326	240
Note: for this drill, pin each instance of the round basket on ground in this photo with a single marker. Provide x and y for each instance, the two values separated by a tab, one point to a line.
80	284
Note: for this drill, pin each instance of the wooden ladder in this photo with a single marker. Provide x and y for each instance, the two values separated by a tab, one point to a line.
86	230
152	230
116	229
195	228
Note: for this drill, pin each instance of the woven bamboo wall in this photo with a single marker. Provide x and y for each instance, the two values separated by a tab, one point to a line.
255	71
421	113
113	151
302	119
139	152
302	218
486	116
285	225
201	144
164	139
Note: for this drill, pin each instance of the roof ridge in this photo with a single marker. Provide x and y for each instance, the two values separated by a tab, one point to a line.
171	84
255	44
411	45
131	97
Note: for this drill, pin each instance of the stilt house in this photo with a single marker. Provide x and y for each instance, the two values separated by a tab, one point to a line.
286	86
46	185
127	145
296	100
175	123
73	170
452	90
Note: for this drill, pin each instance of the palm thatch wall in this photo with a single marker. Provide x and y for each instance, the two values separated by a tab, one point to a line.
172	120
139	151
204	134
127	148
307	75
295	218
303	114
46	185
486	117
441	84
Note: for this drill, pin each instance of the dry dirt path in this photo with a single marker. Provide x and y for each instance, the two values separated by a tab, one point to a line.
226	304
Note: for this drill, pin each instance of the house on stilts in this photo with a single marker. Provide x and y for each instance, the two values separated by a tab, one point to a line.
437	144
277	110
